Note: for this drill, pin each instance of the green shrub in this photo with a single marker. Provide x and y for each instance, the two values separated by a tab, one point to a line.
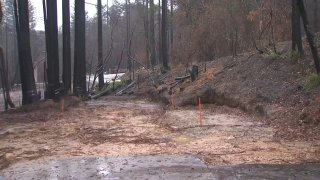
271	54
117	85
312	81
295	56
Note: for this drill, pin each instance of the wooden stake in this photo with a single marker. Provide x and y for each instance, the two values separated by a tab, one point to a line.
172	100
62	105
200	111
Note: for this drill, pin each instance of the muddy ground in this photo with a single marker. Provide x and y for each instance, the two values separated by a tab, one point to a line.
119	126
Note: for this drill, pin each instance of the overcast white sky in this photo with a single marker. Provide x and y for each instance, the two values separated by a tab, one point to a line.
89	8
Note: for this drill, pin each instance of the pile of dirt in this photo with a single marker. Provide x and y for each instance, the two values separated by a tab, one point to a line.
271	88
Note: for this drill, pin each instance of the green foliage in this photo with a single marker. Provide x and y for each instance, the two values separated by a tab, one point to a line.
312	81
271	54
117	85
295	56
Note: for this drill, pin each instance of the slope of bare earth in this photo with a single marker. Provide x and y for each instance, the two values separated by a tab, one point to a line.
268	88
120	126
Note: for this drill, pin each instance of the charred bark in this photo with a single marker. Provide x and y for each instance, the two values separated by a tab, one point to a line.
5	82
152	36
164	36
79	76
100	43
66	74
310	35
296	28
29	91
53	50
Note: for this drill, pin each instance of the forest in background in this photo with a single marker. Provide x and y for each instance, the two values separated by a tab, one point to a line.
132	32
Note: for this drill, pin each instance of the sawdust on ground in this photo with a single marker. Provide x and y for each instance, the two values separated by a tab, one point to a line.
134	127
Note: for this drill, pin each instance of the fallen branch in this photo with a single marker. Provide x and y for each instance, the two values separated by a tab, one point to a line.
183	77
121	92
175	84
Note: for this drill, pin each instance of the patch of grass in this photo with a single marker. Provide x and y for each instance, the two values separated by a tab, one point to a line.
295	56
312	81
271	54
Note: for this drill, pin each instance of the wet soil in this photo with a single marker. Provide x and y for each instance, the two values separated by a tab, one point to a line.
154	167
120	127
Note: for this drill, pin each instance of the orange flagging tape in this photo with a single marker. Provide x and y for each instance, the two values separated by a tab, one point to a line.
62	105
172	100
200	111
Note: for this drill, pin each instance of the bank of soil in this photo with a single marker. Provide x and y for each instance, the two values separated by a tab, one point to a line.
121	126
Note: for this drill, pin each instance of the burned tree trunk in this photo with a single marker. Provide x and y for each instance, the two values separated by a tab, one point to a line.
4	74
66	74
79	76
29	91
164	34
128	28
152	36
316	15
159	38
310	35
296	28
100	43
5	82
146	30
53	51
1	14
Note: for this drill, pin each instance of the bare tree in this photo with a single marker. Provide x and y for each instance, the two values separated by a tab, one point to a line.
29	91
66	74
79	76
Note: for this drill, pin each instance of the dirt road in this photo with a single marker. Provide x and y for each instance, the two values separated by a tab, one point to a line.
113	129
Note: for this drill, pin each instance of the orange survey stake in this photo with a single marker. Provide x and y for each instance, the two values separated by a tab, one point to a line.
62	105
200	111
